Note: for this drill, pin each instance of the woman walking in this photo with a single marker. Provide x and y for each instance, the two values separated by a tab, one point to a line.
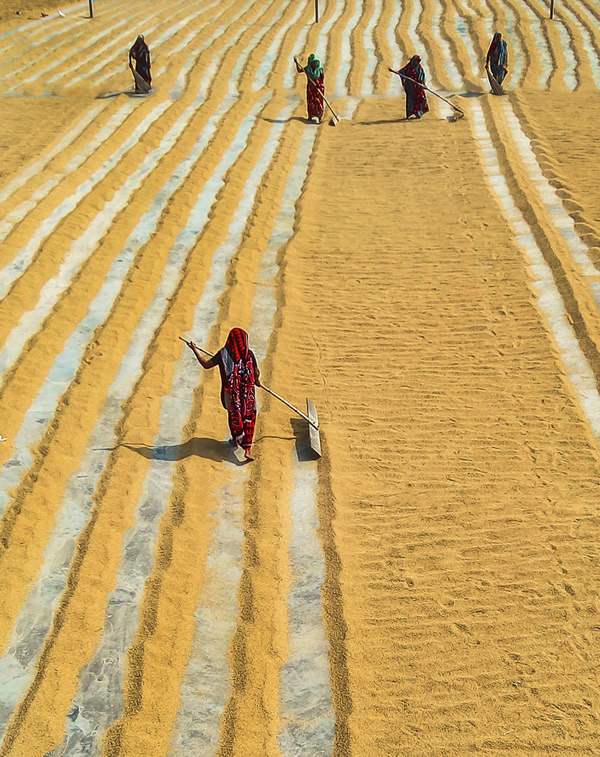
315	86
239	376
416	99
497	58
140	53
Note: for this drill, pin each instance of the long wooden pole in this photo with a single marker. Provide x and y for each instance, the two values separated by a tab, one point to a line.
270	391
551	8
316	11
91	2
424	86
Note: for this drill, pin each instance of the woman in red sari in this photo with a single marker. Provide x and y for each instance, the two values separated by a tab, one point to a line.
416	99
239	376
315	86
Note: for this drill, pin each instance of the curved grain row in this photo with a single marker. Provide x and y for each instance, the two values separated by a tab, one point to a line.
68	35
588	25
573	272
45	78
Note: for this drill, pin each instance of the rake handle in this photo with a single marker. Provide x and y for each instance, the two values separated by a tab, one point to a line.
424	86
270	391
321	95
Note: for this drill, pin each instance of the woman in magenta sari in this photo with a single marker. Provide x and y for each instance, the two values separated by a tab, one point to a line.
315	86
239	376
416	99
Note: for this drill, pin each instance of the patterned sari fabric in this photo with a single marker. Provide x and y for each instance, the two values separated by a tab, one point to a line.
140	52
416	100
497	57
314	103
238	381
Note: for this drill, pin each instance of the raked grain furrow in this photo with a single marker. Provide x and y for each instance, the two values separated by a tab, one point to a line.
35	168
85	52
552	37
570	44
471	54
408	41
443	71
104	168
74	38
587	27
564	165
110	59
43	31
534	42
159	36
103	131
577	278
385	45
399	625
81	249
155	176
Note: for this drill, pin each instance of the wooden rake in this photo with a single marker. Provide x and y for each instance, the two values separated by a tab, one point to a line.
311	415
424	86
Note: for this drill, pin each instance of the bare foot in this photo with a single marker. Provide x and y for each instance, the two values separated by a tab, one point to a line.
248	455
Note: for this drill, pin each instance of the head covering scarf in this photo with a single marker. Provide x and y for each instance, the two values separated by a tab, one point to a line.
416	68
139	46
239	381
314	69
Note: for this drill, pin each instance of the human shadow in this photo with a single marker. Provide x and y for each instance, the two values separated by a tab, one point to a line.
389	121
287	120
108	95
128	92
210	449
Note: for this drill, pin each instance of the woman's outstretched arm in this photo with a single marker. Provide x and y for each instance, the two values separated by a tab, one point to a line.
210	362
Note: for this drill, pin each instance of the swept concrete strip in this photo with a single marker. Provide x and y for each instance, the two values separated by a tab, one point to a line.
35	168
96	711
548	297
555	209
306	708
19	213
369	45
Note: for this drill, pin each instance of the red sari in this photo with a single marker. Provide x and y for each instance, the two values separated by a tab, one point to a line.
416	99
315	86
314	102
238	379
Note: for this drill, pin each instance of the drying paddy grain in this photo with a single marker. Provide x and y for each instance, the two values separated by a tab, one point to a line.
430	586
